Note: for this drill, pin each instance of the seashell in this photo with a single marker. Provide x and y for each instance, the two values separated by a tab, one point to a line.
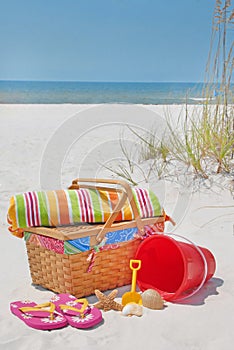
132	309
152	299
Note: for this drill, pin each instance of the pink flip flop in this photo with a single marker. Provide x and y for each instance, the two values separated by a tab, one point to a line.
77	311
43	316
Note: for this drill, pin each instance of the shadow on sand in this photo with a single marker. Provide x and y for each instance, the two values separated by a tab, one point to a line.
209	288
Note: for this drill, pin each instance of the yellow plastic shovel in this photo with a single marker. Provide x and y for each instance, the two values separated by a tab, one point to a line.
133	296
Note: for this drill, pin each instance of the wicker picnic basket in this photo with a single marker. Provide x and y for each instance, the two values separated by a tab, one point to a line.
102	267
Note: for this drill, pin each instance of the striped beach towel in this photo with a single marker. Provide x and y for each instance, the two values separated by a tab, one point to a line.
68	207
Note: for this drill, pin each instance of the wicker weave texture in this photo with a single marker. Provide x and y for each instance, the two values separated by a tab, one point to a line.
68	273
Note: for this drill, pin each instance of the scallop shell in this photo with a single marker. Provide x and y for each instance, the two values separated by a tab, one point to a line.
132	309
152	299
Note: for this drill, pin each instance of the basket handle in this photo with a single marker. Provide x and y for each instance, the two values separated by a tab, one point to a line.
126	192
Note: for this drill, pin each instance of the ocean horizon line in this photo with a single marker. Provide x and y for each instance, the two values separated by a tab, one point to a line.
104	81
77	92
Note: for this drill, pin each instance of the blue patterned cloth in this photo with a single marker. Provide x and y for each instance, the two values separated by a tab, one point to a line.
75	246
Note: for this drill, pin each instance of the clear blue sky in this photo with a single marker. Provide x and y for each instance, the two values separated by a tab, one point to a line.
105	40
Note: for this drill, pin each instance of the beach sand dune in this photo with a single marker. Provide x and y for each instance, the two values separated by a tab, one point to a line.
46	146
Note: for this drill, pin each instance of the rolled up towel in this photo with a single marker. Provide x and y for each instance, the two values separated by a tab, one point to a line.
68	207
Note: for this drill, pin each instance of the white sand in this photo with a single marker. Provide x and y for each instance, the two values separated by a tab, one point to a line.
49	145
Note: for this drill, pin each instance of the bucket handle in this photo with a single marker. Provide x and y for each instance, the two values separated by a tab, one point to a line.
204	261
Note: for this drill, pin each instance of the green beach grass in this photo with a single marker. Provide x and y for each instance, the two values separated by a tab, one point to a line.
202	141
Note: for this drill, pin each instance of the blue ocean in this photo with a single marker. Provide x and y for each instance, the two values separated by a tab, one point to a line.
99	92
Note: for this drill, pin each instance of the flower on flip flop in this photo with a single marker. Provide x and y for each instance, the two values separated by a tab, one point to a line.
55	320
71	296
14	306
71	303
79	319
55	298
25	301
65	310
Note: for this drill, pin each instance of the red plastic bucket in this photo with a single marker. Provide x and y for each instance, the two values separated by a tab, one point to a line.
175	269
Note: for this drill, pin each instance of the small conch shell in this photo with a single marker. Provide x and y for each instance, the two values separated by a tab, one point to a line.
132	309
152	299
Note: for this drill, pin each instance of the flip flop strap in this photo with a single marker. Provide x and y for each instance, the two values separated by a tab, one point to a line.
72	308
40	307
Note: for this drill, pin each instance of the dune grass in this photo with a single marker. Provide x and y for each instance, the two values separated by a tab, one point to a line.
204	139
